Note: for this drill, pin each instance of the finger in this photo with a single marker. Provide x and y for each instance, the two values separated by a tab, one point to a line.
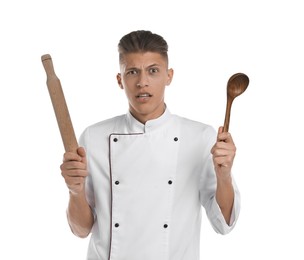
70	165
223	151
225	137
221	145
69	156
229	147
220	152
228	151
74	173
223	161
71	181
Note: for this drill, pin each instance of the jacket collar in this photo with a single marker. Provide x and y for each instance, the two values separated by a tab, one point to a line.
134	126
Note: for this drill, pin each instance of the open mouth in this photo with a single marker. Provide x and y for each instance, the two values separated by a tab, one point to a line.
144	95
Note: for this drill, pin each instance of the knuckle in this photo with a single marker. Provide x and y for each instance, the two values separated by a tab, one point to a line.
229	160
62	167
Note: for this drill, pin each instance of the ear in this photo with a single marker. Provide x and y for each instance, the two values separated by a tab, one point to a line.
118	77
170	76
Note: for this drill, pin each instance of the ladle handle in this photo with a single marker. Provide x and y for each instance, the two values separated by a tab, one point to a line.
60	106
227	115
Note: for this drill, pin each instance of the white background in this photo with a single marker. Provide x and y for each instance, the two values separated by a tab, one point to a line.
208	42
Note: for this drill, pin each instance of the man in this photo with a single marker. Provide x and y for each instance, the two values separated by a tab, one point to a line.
139	180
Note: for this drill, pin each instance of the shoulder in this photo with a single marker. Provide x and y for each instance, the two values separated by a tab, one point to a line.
194	126
109	123
102	128
196	137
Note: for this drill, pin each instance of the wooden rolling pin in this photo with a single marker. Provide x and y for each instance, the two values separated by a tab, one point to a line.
60	107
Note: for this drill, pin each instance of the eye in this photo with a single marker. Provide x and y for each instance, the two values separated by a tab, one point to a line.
153	70
132	72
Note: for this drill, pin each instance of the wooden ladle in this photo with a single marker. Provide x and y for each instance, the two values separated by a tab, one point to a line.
236	85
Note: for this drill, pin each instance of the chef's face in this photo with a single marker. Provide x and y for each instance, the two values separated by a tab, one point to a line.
144	77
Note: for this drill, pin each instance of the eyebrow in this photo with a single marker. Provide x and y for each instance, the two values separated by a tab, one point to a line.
150	66
153	65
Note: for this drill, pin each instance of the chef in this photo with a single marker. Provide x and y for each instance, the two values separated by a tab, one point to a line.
140	180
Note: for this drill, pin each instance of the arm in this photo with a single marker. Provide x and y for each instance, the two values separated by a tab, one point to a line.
223	155
79	213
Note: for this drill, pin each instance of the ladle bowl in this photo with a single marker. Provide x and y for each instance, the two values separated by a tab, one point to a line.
236	85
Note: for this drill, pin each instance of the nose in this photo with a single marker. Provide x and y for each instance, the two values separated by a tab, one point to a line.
143	81
141	85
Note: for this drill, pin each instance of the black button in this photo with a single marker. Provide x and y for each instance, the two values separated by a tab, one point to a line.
166	225
175	139
116	225
170	182
115	139
116	182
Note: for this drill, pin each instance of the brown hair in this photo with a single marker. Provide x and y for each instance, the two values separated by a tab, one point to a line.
142	41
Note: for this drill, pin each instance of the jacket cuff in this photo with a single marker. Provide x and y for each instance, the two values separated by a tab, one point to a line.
219	223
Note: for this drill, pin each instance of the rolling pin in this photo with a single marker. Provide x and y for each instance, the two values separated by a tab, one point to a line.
60	107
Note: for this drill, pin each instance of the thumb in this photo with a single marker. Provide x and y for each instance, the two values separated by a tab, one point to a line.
220	130
81	152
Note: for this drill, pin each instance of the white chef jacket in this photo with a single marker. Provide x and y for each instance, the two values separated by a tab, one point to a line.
146	185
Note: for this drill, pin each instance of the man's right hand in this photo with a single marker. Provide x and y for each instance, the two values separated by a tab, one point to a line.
74	170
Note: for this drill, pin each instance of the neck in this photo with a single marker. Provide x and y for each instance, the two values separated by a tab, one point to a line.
144	117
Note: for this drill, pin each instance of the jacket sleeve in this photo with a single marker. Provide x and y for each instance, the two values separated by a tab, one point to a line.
89	189
208	190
